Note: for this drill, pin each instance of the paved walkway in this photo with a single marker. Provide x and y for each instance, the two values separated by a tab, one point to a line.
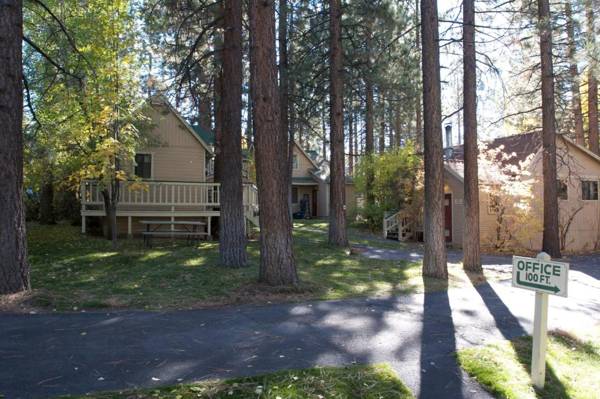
51	354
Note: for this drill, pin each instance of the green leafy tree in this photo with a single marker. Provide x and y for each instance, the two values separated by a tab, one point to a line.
396	183
85	105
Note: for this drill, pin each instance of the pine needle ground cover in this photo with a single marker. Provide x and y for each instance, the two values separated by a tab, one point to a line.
72	272
365	382
572	367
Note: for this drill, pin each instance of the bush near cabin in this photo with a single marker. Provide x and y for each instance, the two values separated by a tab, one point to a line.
397	183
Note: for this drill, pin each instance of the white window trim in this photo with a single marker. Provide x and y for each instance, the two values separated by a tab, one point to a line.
151	163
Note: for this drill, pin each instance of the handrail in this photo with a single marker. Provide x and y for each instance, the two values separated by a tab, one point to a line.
164	193
401	221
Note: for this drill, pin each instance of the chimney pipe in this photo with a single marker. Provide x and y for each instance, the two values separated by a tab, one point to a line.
449	135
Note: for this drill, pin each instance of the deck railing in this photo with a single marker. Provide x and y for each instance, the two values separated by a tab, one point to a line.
164	193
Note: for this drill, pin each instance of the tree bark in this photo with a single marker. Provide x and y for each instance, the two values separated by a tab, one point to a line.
418	109
593	133
14	269
277	264
550	240
471	250
397	127
574	74
337	209
382	123
232	226
434	261
351	145
218	95
284	94
369	137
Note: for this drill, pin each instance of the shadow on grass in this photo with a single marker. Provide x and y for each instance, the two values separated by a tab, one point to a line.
512	330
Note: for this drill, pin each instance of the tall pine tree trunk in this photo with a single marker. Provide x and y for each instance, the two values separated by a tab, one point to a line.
337	212
419	99
434	261
218	111
382	123
232	232
277	264
471	250
351	145
284	82
574	74
14	269
397	127
593	134
369	136
550	241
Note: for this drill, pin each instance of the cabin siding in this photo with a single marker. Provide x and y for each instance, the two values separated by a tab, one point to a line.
177	155
305	165
583	235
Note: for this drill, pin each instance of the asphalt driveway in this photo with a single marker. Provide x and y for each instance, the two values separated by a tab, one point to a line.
47	355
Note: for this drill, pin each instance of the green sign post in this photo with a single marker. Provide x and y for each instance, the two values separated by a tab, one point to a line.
545	277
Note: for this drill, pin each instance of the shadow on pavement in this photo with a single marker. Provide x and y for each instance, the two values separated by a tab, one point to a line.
440	372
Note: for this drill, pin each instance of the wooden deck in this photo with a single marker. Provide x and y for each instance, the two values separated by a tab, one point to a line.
163	199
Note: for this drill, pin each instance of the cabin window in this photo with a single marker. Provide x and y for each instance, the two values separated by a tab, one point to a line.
294	195
562	189
295	161
589	190
143	166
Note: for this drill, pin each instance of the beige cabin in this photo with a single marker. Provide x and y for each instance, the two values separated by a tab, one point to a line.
173	171
521	227
310	181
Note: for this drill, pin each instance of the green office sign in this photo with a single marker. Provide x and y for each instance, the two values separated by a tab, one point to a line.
535	274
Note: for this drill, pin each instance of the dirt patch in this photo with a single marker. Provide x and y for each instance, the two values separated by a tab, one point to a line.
21	302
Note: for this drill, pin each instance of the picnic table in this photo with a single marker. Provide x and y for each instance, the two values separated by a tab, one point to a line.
188	229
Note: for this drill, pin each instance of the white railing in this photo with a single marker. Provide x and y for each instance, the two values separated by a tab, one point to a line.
164	193
389	223
401	222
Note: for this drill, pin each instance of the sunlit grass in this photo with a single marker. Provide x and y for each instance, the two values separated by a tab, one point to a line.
572	367
367	382
72	271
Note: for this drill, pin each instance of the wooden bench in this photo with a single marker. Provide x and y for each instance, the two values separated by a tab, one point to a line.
189	231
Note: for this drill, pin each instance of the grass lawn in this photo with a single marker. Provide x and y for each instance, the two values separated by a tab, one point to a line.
366	382
572	367
70	271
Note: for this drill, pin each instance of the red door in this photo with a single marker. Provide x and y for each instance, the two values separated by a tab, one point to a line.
448	217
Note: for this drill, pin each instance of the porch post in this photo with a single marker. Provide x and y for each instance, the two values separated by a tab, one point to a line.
129	232
83	224
208	227
172	218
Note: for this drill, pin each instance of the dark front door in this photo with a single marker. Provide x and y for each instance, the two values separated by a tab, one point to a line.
448	217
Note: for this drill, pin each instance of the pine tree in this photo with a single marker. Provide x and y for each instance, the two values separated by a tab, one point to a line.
471	250
232	237
337	213
434	261
277	264
550	240
14	269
